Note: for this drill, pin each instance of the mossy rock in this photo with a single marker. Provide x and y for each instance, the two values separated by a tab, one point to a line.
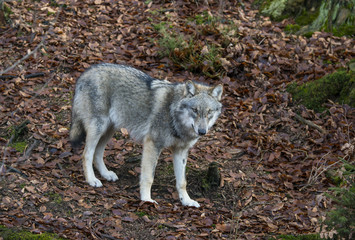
16	234
338	87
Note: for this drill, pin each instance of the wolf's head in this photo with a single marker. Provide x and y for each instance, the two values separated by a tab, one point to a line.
200	107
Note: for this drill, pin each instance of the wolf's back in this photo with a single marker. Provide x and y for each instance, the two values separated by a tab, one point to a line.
113	95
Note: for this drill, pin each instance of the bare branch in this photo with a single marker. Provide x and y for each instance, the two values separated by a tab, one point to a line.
309	123
41	44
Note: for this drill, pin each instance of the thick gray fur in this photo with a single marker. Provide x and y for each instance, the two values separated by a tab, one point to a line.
156	112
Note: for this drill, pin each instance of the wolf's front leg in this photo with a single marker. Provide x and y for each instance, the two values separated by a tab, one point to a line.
149	162
180	159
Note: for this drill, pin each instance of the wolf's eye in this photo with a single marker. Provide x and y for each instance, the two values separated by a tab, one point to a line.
194	110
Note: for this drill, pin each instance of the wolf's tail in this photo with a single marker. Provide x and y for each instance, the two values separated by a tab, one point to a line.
77	132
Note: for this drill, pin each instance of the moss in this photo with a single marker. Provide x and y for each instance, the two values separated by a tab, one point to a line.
206	18
338	87
54	197
16	234
308	34
307	17
344	30
292	28
19	146
300	237
6	11
141	213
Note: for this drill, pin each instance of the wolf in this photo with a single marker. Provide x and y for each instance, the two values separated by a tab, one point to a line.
157	113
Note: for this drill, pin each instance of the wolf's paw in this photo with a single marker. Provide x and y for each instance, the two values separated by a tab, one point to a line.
148	200
110	176
190	203
95	182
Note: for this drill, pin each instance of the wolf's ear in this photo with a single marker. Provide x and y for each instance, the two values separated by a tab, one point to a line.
190	87
217	92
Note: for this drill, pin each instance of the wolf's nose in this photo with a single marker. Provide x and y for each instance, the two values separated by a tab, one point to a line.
202	131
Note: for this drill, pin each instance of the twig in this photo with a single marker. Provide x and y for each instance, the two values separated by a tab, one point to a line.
317	171
4	149
36	48
262	40
28	151
309	123
12	169
23	58
32	75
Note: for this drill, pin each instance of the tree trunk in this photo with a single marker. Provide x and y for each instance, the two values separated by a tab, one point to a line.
336	16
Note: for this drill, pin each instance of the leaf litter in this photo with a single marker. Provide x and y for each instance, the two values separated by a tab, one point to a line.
265	155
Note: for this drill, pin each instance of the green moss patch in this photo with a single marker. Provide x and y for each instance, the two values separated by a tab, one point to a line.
338	87
16	234
292	28
344	30
300	237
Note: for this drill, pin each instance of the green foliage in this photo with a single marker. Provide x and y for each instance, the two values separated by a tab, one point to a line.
344	30
307	17
342	218
299	237
206	19
15	234
19	146
169	41
6	10
141	213
17	134
292	28
188	53
339	86
54	197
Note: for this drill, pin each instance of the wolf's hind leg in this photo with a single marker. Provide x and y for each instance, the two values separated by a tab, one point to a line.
99	154
180	159
92	140
149	162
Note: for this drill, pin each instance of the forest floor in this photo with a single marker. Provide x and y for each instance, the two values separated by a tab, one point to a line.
271	164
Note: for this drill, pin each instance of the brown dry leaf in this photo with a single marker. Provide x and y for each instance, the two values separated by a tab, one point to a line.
226	228
277	206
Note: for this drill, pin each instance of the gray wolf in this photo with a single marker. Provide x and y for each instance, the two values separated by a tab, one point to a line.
158	113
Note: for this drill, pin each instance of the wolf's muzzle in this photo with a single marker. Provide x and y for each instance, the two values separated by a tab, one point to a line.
202	131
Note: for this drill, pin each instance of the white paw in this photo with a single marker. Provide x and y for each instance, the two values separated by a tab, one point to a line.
148	200
110	176
94	182
190	203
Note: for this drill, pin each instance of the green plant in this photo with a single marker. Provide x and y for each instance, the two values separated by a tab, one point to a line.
6	10
299	237
54	197
188	52
14	234
342	218
19	146
141	213
292	28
